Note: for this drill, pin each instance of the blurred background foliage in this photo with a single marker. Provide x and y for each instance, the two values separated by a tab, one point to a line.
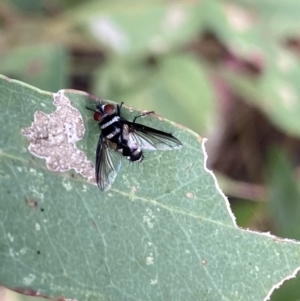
229	70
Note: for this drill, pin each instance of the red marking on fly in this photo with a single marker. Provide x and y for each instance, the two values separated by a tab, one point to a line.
106	111
109	109
97	116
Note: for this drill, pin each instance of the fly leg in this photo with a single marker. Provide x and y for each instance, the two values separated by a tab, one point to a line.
142	115
136	117
119	108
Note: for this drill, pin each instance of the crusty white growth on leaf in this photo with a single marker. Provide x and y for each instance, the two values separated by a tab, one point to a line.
53	137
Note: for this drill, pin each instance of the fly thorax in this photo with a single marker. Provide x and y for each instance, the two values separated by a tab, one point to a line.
114	133
110	122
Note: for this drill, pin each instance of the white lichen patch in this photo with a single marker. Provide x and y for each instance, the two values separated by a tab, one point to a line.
38	192
53	137
10	237
37	227
133	190
23	251
154	281
29	279
149	259
67	185
149	218
190	195
32	170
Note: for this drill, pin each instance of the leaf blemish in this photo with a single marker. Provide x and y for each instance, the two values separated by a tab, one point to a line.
149	219
53	137
10	237
37	227
29	279
149	260
23	251
153	281
31	202
67	185
190	195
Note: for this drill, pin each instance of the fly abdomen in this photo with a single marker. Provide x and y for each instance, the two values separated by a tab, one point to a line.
104	125
133	154
136	156
110	127
113	133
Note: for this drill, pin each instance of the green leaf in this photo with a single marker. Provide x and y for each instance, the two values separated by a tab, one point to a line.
285	210
275	92
163	232
138	27
43	65
33	6
279	19
235	27
284	196
176	86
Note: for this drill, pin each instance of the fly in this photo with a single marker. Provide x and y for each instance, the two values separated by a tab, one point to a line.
120	137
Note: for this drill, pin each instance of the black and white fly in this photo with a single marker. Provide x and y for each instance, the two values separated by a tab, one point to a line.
120	137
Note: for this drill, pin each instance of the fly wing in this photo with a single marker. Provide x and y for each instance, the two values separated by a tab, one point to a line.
149	139
108	163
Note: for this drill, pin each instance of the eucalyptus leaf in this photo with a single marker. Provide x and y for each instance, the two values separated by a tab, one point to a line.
284	207
163	232
176	86
279	18
42	65
138	27
275	92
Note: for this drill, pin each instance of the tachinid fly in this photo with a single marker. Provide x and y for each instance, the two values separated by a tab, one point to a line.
120	137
